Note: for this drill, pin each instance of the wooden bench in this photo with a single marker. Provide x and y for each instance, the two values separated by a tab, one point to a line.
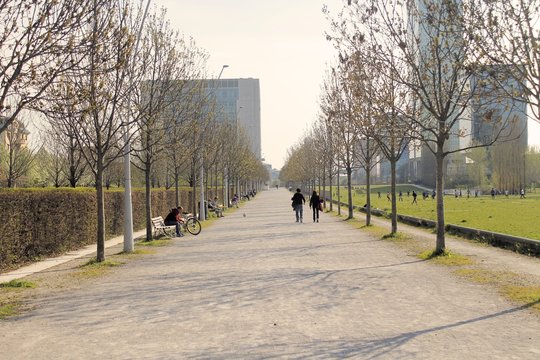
217	211
160	227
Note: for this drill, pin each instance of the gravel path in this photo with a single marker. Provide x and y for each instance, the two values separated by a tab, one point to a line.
262	286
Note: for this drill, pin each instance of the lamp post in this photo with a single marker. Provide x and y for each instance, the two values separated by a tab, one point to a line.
128	206
226	174
202	207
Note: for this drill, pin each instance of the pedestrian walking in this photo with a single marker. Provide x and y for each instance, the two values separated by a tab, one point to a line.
522	194
400	195
298	201
315	205
414	197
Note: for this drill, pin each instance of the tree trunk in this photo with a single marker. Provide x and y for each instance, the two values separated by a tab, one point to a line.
331	178
177	187
148	202
194	192
440	245
100	256
368	196
338	194
322	193
349	192
393	191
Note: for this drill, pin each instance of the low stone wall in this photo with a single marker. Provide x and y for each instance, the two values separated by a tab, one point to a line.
522	245
518	244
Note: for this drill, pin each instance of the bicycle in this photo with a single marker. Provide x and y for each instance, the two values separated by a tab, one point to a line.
191	224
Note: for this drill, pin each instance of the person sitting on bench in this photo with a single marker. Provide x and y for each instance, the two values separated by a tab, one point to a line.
173	218
213	206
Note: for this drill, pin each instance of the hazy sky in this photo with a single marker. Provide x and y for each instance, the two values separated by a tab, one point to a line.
279	42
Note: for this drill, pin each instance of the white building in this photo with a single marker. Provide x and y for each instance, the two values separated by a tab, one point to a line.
239	100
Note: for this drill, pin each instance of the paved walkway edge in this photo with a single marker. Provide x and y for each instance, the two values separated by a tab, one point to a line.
49	263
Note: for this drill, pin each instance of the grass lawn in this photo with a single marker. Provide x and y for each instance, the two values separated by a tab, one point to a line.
512	215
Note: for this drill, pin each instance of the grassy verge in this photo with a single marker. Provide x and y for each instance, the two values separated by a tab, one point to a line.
10	297
516	288
506	215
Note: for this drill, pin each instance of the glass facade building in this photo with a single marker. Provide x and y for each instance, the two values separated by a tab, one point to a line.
238	101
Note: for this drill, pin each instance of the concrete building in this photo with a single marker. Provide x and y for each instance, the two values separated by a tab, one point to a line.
239	101
499	110
437	60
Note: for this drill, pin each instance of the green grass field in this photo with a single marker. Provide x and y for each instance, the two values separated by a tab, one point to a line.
512	215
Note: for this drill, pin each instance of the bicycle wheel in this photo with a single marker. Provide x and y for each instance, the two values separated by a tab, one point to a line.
193	226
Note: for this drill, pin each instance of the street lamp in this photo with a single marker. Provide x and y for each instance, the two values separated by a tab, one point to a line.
202	207
221	72
128	206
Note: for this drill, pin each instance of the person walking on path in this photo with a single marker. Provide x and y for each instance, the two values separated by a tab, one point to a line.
314	204
298	201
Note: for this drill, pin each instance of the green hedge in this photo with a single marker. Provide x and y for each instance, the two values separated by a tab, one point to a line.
36	223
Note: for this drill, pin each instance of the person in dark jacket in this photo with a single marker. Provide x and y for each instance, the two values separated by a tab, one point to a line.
298	201
314	204
173	218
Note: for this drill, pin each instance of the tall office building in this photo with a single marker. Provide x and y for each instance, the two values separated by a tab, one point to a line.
436	37
239	101
500	110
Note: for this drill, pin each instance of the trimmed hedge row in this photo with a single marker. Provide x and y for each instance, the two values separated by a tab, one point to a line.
36	223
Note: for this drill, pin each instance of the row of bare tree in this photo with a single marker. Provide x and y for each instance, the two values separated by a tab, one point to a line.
408	75
113	78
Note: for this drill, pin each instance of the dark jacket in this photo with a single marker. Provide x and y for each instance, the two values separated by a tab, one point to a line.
298	199
172	216
314	201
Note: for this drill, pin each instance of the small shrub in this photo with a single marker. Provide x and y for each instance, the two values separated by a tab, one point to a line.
18	284
7	310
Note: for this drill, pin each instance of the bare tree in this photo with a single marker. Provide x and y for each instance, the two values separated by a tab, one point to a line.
339	109
66	161
102	92
37	42
384	104
168	62
17	158
430	39
508	37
